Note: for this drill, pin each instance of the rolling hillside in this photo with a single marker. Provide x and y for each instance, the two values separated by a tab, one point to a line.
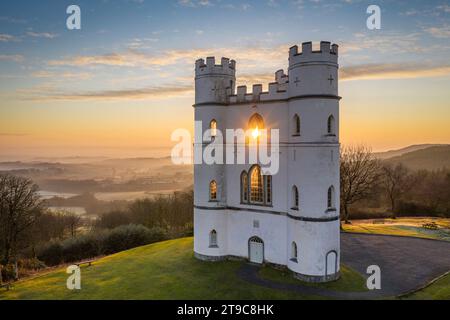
398	152
430	158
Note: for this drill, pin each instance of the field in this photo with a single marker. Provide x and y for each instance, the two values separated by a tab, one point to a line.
168	270
409	227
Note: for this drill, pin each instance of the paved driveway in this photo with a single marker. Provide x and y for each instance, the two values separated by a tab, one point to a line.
406	263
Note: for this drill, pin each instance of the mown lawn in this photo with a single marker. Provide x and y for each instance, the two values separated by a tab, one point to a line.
440	290
168	270
408	227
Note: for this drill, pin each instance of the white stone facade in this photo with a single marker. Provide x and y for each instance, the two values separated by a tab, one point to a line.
301	234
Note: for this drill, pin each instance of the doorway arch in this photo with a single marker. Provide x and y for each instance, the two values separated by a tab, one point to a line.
256	250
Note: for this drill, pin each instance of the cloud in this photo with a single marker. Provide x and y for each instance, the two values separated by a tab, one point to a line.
248	56
11	57
392	71
194	4
61	75
156	92
439	32
45	35
7	38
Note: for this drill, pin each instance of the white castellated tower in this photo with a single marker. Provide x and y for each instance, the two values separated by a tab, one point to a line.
292	217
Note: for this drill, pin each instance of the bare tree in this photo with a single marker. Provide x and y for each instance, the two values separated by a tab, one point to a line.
73	221
396	180
20	206
359	171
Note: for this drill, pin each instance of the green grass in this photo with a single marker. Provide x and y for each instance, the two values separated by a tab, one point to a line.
440	290
407	227
166	270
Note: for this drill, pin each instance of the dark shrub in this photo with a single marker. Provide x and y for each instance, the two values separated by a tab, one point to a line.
130	236
51	253
99	243
80	248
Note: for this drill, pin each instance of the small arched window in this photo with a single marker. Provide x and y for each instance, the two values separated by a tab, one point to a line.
213	191
330	198
294	252
244	187
295	198
213	239
330	125
297	125
213	128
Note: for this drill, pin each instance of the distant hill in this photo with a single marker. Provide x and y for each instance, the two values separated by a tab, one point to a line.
430	158
398	152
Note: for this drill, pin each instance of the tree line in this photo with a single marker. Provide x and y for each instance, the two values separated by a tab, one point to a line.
371	188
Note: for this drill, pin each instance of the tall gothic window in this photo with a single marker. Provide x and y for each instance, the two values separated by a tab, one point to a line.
213	128
330	125
256	185
296	125
295	198
244	187
213	239
256	188
213	191
330	200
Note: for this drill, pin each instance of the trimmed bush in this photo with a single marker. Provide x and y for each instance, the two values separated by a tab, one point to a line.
51	253
99	243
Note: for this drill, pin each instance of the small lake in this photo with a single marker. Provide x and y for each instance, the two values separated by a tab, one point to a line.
76	210
51	194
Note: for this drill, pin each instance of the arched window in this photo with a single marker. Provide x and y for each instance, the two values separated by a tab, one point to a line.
330	125
213	239
294	252
213	191
256	121
330	200
256	185
295	198
213	128
244	187
296	125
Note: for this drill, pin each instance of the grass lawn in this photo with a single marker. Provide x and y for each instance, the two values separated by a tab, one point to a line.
440	290
165	270
168	270
409	227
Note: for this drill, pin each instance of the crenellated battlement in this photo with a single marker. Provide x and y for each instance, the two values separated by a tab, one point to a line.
277	90
311	73
328	53
226	67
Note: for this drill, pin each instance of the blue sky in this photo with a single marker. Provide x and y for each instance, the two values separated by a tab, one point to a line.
133	60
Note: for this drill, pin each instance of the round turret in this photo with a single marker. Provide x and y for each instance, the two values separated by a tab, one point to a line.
313	72
214	83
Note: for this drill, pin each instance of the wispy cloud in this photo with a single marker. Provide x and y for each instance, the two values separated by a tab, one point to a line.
7	38
393	71
63	75
46	35
195	3
439	32
156	92
11	57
